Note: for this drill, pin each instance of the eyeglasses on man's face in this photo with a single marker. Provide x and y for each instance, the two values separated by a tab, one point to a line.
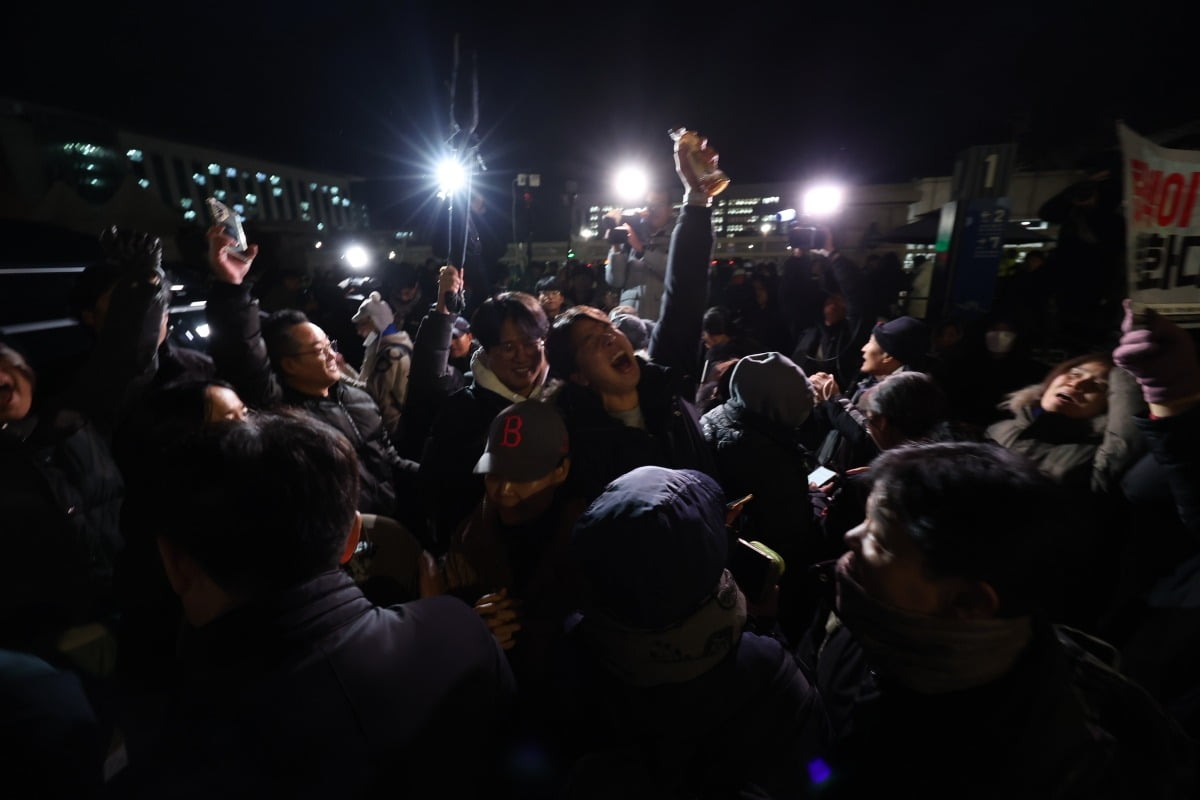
324	349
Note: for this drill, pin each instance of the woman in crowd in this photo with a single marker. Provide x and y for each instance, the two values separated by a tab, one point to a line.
1077	424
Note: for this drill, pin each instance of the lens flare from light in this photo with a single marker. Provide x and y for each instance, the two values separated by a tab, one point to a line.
356	257
450	176
823	201
630	184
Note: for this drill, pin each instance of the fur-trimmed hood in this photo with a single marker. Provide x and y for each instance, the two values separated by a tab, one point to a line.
1022	403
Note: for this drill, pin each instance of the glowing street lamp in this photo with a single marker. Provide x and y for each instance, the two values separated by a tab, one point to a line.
451	177
630	184
822	201
356	257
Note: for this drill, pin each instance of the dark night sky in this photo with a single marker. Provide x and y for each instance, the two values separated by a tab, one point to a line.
869	91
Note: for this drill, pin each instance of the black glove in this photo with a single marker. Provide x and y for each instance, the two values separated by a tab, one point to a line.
136	254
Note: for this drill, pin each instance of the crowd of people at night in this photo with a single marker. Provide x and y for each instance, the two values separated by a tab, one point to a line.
662	527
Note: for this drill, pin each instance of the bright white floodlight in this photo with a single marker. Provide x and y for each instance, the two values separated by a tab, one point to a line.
823	201
450	176
630	184
356	257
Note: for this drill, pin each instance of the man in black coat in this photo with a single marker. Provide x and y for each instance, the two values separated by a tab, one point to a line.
939	668
288	360
294	684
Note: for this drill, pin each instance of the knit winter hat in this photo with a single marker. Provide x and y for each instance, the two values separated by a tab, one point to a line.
772	385
376	310
636	330
653	545
905	339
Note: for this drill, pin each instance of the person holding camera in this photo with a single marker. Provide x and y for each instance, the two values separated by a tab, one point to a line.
637	260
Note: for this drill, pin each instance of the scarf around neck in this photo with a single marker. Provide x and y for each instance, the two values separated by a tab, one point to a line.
930	655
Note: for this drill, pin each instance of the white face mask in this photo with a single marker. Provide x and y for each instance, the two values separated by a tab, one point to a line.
1000	342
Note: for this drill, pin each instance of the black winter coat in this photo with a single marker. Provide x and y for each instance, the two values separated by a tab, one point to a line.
317	693
604	448
60	495
238	349
1061	723
755	455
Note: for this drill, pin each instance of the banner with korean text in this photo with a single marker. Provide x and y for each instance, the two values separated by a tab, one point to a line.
1162	227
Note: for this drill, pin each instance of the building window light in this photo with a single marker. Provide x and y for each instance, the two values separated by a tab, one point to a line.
134	156
214	169
275	180
189	215
81	148
231	172
199	179
345	202
185	202
324	190
333	189
252	199
261	177
94	182
312	187
220	194
320	226
239	209
305	205
277	191
145	184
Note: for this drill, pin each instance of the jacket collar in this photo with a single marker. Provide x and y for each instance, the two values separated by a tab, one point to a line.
304	613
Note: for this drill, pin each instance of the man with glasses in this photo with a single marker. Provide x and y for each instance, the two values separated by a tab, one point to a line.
285	359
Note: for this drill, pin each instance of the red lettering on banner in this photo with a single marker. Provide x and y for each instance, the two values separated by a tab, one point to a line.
1141	192
1162	200
512	432
1168	201
1189	201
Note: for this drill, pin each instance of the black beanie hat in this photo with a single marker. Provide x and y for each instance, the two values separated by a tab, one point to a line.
905	339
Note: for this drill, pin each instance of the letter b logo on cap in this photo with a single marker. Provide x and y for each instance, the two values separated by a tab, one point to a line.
512	432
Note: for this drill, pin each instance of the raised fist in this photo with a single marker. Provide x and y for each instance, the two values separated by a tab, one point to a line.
134	252
1161	356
